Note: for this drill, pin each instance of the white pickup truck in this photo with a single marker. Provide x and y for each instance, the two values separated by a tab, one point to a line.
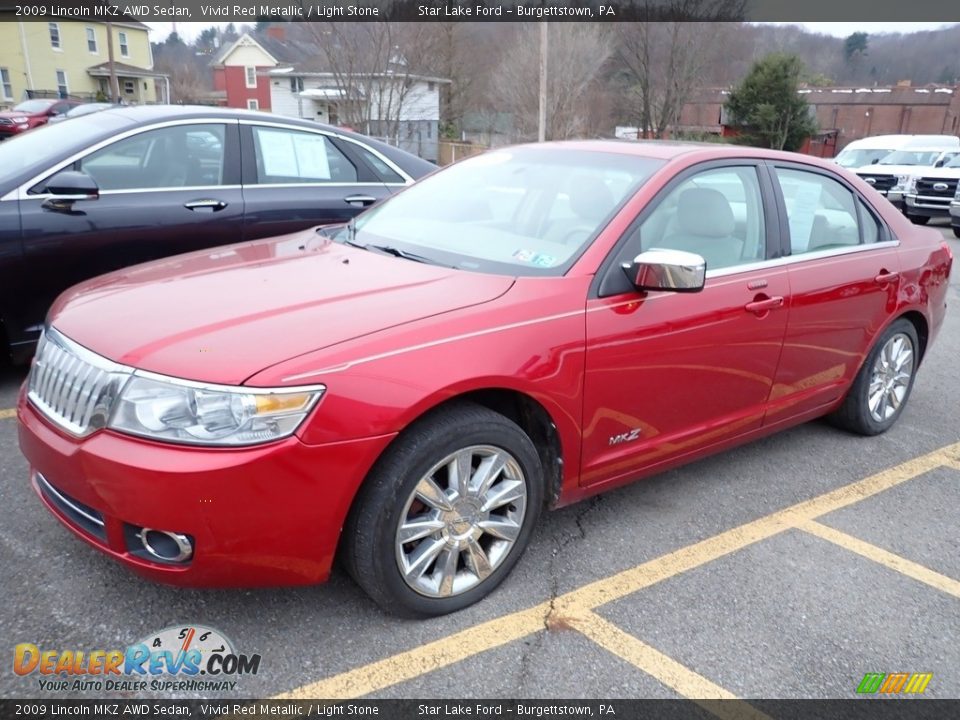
891	175
935	192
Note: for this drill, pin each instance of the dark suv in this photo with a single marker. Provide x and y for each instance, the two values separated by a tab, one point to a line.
123	186
30	114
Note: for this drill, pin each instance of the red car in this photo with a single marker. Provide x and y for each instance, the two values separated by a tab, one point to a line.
32	113
518	331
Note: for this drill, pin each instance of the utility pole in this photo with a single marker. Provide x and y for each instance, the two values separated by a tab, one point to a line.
542	120
114	85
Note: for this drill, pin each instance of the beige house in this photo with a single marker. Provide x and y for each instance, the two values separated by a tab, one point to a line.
68	58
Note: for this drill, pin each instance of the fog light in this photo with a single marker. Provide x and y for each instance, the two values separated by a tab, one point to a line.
166	546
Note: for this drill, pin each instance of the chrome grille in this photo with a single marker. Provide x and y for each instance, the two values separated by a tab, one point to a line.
73	387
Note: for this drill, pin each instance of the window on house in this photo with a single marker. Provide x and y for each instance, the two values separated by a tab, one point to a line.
251	77
62	88
296	84
91	40
253	104
124	45
129	87
431	86
54	35
6	84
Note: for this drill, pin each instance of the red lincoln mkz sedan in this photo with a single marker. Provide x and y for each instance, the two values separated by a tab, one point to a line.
518	331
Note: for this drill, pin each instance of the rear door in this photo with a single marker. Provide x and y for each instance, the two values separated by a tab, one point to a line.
296	177
163	191
844	274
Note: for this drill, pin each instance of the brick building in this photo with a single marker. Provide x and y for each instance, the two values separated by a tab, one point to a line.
850	113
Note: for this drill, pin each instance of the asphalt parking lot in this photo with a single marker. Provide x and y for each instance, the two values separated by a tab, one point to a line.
786	568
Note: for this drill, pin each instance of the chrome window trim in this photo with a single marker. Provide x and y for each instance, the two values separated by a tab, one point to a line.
20	193
189	188
317	185
319	131
801	257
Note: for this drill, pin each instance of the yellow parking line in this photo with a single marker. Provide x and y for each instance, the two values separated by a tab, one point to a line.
6	414
494	633
668	671
423	659
888	559
955	464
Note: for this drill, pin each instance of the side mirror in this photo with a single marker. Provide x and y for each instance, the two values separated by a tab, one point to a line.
940	163
875	161
669	270
71	185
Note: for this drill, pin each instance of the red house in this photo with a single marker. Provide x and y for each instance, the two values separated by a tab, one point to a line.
239	74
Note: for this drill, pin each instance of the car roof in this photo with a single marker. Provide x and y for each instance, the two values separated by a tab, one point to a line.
671	150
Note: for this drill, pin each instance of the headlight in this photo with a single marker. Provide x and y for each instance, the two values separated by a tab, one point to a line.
186	412
903	182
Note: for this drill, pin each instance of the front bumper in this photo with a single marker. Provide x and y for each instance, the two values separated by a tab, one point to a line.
270	515
922	207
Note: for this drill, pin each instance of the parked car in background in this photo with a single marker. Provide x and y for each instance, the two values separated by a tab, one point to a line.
891	175
521	330
127	185
81	110
871	150
935	192
31	114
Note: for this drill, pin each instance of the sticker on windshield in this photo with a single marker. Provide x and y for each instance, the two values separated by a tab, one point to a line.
524	255
544	260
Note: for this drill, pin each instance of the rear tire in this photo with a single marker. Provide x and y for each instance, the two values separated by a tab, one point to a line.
446	512
956	231
919	219
882	386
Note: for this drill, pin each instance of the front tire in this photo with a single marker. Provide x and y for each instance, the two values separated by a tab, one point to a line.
883	385
446	513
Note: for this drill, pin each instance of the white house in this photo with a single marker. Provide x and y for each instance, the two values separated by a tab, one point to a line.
401	109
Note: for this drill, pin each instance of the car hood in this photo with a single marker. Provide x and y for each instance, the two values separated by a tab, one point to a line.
893	169
10	114
940	172
222	315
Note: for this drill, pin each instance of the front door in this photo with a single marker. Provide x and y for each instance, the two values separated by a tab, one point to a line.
163	191
667	373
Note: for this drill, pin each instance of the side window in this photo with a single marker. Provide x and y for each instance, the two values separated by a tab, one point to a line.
181	156
717	214
821	212
870	228
289	156
384	171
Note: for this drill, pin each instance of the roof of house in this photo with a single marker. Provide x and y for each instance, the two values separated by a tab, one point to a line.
122	69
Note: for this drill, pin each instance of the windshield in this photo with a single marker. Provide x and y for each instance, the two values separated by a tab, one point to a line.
911	157
33	106
521	211
859	158
954	162
44	145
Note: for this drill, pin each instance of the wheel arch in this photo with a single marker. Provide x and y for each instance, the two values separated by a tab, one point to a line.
519	407
920	324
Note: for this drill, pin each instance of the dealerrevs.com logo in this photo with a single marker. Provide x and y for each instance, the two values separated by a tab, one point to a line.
176	659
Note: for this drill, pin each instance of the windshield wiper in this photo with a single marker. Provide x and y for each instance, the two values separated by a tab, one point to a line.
397	252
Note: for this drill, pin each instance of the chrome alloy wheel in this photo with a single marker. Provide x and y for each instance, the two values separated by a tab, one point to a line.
890	377
461	521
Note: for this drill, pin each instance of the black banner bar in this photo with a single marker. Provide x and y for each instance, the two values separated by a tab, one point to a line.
207	11
860	709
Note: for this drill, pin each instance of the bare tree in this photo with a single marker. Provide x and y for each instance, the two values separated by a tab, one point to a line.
663	62
373	66
578	52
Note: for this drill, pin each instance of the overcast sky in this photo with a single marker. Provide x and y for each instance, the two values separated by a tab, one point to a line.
189	30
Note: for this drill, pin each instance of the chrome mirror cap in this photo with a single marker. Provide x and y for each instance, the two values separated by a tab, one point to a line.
669	270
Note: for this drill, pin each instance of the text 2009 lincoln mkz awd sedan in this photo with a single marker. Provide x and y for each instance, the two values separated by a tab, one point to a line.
520	330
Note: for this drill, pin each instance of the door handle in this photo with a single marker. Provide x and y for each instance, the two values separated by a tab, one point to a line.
362	200
763	305
209	204
884	277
